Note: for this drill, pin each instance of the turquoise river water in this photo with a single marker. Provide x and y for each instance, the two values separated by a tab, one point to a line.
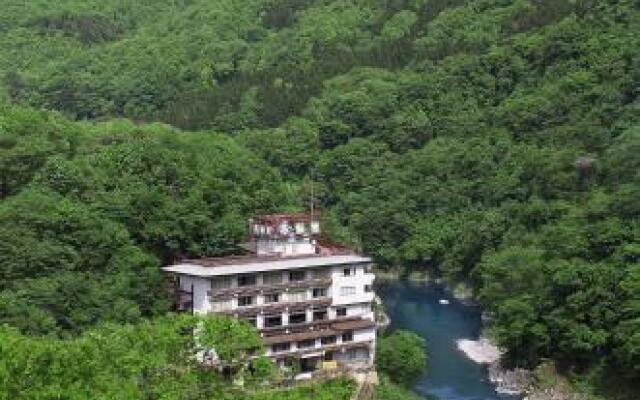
450	375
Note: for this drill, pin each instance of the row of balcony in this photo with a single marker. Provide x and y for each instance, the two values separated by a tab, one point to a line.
265	289
322	346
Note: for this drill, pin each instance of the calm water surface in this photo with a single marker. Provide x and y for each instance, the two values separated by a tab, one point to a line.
450	376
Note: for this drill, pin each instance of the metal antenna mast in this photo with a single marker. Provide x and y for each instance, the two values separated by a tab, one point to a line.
312	200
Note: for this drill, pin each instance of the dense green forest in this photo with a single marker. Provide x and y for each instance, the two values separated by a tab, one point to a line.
491	142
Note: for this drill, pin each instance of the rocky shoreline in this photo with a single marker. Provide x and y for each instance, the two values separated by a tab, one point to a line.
484	351
513	382
517	382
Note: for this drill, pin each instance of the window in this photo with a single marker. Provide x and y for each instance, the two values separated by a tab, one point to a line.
320	274
271	298
300	295
319	293
221	305
356	354
280	347
296	276
246	280
328	340
347	272
320	315
347	337
305	344
368	288
341	311
271	321
223	282
272	278
244	301
300	228
252	320
298	317
347	291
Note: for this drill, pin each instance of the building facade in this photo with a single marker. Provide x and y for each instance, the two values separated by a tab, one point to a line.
308	301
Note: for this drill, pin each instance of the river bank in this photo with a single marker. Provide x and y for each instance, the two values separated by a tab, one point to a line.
484	351
543	383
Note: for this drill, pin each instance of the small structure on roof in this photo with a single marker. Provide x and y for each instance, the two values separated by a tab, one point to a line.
284	234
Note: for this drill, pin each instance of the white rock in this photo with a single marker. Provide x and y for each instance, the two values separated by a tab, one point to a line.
481	351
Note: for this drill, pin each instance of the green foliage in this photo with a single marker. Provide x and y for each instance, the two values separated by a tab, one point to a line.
233	340
111	361
27	139
387	390
399	25
87	29
91	211
337	389
152	359
493	142
402	357
70	267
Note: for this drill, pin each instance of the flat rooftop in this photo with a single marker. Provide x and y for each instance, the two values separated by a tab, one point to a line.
247	264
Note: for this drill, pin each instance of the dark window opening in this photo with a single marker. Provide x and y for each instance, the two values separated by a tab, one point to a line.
295	276
347	337
246	280
341	311
272	298
318	292
280	347
244	301
320	315
274	278
328	340
305	344
298	318
272	320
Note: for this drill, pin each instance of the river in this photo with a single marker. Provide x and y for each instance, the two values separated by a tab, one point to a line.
451	375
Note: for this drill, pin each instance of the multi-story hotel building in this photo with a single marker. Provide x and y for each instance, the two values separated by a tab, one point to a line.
308	301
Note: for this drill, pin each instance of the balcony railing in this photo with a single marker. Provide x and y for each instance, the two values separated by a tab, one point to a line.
221	294
290	333
331	347
278	307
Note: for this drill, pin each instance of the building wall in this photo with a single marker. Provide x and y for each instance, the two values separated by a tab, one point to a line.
365	336
346	291
355	299
357	279
265	247
199	287
355	356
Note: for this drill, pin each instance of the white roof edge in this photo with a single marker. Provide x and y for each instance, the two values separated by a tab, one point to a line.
282	264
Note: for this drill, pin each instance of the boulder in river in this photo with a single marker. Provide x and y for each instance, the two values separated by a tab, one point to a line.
482	351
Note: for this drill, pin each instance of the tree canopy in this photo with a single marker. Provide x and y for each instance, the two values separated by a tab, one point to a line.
491	142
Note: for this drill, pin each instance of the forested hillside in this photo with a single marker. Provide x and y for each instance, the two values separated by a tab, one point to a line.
492	142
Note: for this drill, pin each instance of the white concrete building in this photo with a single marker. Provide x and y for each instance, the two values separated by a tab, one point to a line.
308	301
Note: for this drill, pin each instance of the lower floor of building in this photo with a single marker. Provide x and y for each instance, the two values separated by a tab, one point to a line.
306	364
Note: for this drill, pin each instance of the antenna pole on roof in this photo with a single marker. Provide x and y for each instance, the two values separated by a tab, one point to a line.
312	195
